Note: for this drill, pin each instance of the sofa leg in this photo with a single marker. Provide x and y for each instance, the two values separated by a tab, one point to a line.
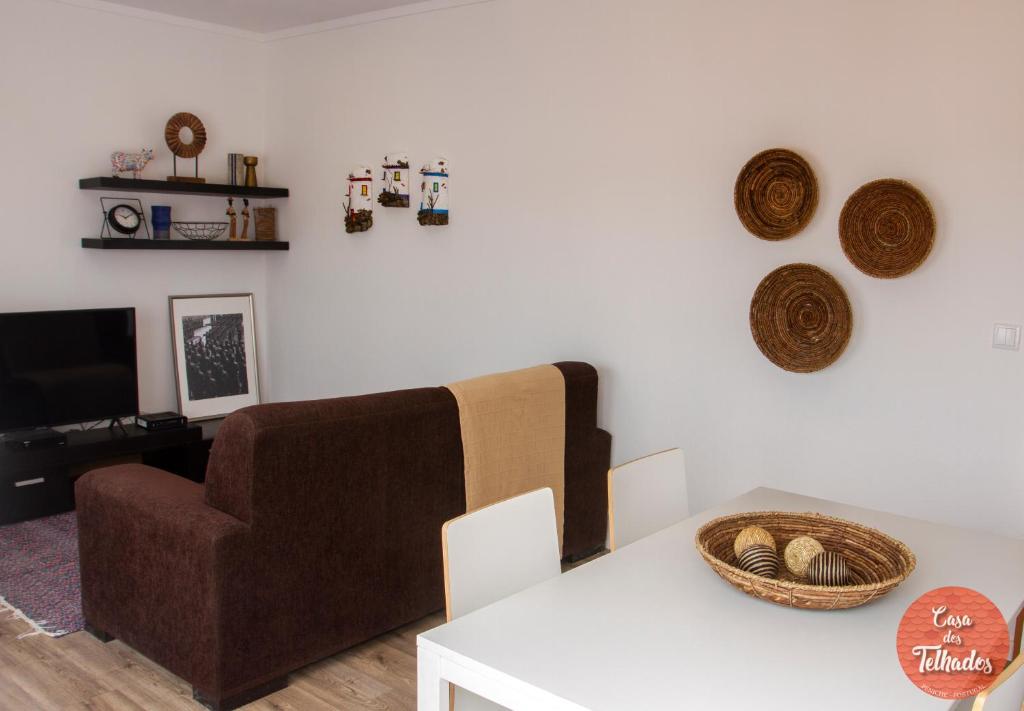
240	699
98	634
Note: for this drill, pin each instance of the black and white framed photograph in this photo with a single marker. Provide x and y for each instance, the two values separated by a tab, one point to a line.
214	340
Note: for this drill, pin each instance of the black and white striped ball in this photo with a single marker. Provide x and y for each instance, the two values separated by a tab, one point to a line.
830	569
760	560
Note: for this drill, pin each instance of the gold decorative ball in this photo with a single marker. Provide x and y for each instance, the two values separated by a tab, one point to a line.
752	536
829	568
798	554
760	559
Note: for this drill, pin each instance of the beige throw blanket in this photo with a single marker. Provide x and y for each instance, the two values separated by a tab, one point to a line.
513	435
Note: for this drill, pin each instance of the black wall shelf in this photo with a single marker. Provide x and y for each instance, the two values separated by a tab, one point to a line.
184	244
130	185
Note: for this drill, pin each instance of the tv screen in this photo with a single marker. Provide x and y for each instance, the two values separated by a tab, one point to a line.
65	367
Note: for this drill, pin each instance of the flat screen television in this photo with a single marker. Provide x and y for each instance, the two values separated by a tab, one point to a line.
65	367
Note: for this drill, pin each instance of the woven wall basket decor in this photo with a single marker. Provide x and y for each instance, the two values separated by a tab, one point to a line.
776	194
800	318
887	228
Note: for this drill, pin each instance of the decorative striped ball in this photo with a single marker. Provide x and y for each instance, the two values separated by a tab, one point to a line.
752	536
760	560
830	569
799	552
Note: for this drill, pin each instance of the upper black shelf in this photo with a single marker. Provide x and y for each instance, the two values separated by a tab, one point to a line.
130	185
184	244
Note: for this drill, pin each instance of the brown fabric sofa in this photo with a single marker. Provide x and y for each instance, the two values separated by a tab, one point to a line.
318	528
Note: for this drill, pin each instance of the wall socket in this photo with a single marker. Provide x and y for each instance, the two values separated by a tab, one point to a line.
1006	336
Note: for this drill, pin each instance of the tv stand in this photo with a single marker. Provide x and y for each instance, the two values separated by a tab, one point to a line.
39	481
41	438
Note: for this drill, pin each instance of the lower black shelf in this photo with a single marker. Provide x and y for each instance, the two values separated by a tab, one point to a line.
179	244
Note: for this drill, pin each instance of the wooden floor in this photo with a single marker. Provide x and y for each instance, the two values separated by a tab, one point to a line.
79	672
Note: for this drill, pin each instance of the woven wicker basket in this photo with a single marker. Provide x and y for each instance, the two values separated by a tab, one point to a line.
878	563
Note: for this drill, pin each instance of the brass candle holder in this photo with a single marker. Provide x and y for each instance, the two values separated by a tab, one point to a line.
250	170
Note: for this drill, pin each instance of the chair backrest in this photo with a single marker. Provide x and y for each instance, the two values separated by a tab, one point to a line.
499	550
645	496
1006	692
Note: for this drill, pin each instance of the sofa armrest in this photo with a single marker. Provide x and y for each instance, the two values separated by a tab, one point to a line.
159	567
586	486
163	500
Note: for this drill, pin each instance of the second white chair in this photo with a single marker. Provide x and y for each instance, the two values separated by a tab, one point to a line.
495	552
645	496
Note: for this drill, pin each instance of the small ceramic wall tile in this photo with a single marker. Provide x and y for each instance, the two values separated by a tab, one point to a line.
394	189
434	198
359	205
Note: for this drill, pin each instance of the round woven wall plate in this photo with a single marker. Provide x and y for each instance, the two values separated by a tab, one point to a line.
172	135
887	228
800	318
776	194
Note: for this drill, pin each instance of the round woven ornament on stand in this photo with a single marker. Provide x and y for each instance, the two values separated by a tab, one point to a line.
801	318
776	194
887	228
173	136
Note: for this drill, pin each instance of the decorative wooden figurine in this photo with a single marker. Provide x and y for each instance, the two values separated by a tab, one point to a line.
359	208
233	218
434	188
121	162
394	190
245	219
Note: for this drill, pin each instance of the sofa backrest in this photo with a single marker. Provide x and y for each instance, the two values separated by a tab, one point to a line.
301	461
300	471
298	456
586	462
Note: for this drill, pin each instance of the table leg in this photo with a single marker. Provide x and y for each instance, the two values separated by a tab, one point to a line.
431	692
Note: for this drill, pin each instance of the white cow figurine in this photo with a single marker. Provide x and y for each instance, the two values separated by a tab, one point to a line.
121	162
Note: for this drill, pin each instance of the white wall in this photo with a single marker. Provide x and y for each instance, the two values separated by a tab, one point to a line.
77	84
622	247
593	147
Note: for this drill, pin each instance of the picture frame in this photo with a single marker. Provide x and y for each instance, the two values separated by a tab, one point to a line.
213	337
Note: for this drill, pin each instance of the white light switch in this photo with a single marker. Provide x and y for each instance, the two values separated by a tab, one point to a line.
1006	336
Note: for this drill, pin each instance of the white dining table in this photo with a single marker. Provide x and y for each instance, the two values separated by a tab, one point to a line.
650	627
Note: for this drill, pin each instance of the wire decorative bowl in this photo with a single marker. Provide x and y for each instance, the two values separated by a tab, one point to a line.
200	231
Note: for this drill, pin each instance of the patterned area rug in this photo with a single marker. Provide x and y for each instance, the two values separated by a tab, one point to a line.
39	580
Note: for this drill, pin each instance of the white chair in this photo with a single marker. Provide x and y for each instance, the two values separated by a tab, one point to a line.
1006	692
495	552
645	496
